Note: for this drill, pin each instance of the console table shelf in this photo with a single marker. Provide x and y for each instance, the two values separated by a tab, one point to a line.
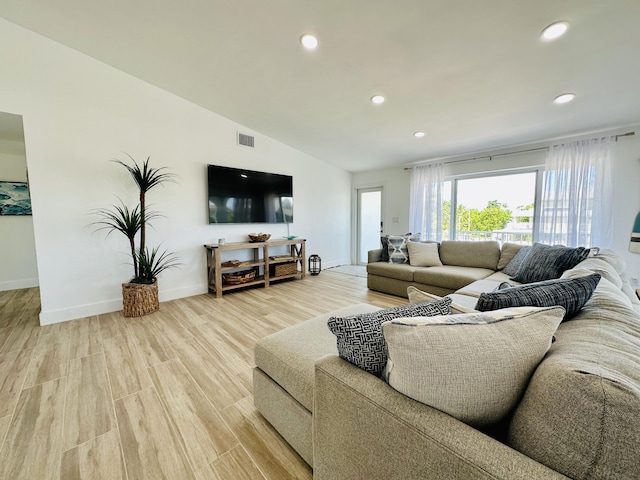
261	263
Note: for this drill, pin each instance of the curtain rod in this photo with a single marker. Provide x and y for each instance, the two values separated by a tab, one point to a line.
490	157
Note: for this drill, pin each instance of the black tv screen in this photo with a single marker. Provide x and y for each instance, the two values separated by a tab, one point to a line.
246	196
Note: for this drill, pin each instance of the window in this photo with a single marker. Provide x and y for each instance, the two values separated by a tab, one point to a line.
490	207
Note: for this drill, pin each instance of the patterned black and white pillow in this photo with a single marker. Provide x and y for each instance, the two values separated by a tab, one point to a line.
569	293
397	247
359	337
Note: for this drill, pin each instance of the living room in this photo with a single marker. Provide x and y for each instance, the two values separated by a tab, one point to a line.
79	113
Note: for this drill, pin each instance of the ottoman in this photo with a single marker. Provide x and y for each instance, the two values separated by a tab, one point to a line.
283	379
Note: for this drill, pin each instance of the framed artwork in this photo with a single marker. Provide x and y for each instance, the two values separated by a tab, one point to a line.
14	198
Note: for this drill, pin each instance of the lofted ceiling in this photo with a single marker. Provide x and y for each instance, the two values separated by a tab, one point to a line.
473	75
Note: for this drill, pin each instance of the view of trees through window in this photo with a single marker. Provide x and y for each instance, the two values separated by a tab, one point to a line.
499	207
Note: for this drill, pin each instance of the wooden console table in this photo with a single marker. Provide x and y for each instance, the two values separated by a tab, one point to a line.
261	263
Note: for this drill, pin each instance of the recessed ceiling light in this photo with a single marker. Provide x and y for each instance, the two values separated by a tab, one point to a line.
377	99
308	41
418	134
564	98
554	30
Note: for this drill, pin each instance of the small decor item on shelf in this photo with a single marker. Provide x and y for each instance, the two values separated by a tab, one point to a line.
231	263
259	237
315	264
282	269
236	278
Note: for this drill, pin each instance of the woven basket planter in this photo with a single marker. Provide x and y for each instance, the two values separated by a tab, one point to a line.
139	299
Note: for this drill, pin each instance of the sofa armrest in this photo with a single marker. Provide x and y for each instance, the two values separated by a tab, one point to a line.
365	429
374	255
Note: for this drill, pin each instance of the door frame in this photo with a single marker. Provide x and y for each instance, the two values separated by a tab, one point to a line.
355	246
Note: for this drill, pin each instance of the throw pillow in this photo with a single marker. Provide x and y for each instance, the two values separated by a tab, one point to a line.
514	264
384	241
569	293
545	262
476	366
397	249
423	254
416	295
359	337
507	252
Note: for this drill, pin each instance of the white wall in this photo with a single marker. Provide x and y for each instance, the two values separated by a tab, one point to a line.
626	169
17	243
80	113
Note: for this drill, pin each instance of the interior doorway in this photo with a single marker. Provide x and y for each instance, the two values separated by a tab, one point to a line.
369	223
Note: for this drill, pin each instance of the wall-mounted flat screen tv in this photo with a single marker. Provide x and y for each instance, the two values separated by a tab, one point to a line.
246	196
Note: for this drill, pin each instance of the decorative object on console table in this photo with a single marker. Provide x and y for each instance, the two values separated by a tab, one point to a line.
315	264
140	294
259	237
237	278
634	244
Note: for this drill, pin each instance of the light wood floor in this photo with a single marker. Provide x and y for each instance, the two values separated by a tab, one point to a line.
166	396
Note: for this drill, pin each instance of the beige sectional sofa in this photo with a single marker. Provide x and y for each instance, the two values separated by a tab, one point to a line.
463	264
579	417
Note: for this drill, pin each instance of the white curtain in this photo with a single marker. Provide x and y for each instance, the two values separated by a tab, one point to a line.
576	194
425	204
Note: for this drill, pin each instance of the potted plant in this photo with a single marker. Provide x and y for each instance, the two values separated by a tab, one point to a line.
140	294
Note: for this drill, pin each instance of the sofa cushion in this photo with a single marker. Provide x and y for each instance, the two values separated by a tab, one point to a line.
484	254
288	356
359	337
580	414
399	271
569	293
397	247
416	295
613	259
449	276
546	262
514	264
480	286
423	254
507	252
601	266
473	366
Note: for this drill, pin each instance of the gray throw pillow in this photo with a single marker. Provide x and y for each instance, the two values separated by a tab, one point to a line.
514	264
569	293
384	241
359	337
546	262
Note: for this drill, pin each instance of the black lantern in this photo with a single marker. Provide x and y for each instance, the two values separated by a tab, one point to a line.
315	264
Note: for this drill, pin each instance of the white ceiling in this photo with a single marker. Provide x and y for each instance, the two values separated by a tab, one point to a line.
472	74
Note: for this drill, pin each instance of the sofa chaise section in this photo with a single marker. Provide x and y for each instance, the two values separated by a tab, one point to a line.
283	379
365	429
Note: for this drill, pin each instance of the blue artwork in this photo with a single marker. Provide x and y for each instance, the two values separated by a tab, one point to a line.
634	245
14	198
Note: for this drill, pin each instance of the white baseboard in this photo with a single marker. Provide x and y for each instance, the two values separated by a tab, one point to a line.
48	317
18	284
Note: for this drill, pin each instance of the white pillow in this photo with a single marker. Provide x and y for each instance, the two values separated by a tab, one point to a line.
416	295
423	254
473	366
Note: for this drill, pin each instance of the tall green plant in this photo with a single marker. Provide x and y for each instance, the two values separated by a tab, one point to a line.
147	263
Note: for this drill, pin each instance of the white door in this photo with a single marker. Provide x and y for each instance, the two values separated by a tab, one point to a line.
370	225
